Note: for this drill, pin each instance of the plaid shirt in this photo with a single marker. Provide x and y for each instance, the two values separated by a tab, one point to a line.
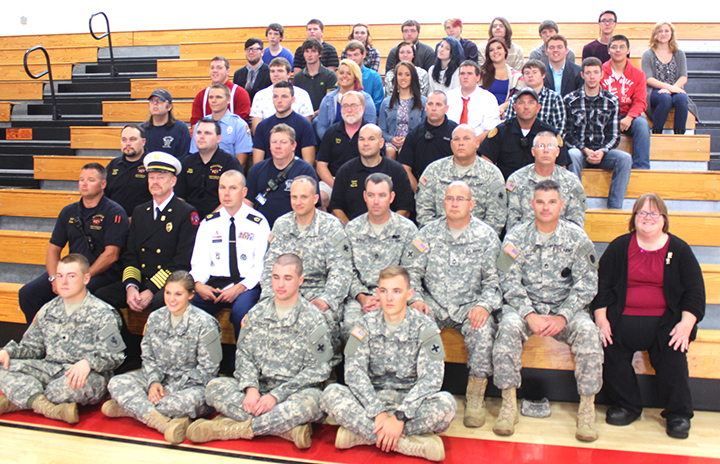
372	59
552	110
592	122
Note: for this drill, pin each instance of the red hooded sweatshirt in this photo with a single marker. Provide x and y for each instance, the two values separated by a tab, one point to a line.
630	89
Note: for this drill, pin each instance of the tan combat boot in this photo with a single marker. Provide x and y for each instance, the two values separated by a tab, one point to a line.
508	417
67	412
586	430
6	405
475	402
300	435
173	429
111	409
345	439
220	428
429	446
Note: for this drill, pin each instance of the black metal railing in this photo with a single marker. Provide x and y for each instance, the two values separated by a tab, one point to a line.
55	114
113	71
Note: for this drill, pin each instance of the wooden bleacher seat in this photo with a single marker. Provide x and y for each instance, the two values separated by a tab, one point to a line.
676	185
16	72
23	247
670	147
690	124
95	137
696	228
178	88
35	203
5	108
21	91
9	307
57	55
23	42
137	111
198	69
49	167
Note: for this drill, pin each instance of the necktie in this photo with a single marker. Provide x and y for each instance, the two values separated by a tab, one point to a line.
250	80
464	114
157	213
234	274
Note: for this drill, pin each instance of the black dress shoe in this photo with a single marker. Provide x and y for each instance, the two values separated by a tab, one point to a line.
678	427
620	416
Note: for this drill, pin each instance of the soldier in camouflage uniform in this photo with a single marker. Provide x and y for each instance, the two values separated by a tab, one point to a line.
548	274
521	184
283	355
484	178
67	354
453	268
394	366
379	238
181	353
319	239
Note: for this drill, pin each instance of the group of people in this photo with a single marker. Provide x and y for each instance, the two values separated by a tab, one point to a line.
477	226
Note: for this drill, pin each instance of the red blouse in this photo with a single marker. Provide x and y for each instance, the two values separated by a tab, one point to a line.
645	296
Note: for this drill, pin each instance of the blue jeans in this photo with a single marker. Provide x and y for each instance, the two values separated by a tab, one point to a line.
616	160
661	104
640	132
240	307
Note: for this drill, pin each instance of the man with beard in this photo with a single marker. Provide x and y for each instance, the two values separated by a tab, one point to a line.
126	176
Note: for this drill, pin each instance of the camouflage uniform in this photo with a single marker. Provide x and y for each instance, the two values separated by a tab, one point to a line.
183	359
287	358
486	184
53	343
398	371
557	278
521	189
327	262
372	254
453	276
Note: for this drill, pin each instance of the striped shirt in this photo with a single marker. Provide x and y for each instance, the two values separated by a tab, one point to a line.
592	122
552	109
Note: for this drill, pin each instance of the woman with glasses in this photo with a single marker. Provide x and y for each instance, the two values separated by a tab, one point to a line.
650	297
403	110
665	67
349	78
500	28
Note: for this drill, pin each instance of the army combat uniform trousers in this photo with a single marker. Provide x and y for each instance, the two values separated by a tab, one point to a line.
130	392
479	344
433	414
300	408
26	378
580	333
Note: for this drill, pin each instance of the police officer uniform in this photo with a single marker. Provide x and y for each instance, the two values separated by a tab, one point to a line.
425	144
211	258
104	225
198	181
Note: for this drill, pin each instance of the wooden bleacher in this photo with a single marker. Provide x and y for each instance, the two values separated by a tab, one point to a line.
16	72
63	167
35	203
16	91
57	55
677	185
137	111
178	88
5	108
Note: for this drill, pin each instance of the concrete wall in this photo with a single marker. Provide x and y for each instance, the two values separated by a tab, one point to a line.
53	16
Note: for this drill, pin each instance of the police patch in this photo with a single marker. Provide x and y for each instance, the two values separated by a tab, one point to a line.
493	133
194	219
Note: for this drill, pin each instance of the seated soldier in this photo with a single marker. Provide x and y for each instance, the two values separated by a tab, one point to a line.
521	184
198	181
456	283
379	238
548	275
485	181
394	366
66	356
282	357
227	259
319	239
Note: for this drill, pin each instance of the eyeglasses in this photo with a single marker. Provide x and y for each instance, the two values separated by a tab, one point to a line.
619	47
352	107
253	49
607	21
454	199
542	146
644	214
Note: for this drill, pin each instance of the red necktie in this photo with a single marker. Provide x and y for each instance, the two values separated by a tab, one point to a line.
463	115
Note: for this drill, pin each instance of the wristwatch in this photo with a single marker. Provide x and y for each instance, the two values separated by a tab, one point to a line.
399	415
51	278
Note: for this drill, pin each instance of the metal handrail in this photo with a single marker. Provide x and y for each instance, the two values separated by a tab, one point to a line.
113	71
55	114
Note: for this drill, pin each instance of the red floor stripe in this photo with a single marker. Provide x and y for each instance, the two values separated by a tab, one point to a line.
457	450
